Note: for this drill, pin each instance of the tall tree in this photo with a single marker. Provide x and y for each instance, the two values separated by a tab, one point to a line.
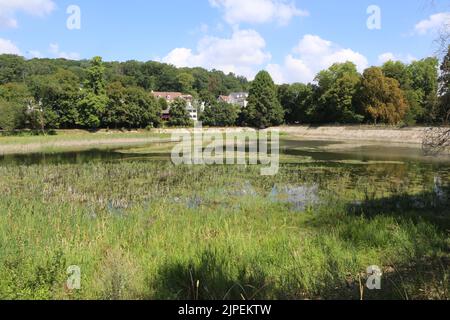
296	100
338	86
94	99
381	97
263	109
424	81
399	71
15	99
444	81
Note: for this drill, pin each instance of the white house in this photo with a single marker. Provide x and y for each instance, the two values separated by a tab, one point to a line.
170	97
237	98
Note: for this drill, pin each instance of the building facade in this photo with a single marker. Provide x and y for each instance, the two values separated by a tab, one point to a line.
236	98
170	97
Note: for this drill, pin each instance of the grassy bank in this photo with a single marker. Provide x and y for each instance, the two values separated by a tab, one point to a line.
149	230
75	140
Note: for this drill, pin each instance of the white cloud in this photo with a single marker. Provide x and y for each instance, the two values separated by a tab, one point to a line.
9	8
258	11
389	56
55	51
34	54
240	54
310	56
434	23
7	47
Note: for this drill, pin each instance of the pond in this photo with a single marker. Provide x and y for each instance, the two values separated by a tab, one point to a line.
382	163
316	150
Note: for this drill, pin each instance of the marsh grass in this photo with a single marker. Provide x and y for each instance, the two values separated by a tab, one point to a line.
150	230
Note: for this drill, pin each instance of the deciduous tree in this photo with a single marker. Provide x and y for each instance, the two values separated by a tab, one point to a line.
381	97
179	116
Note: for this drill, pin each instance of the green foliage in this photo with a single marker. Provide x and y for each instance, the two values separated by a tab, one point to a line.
220	114
133	241
131	107
424	81
93	101
12	68
58	95
381	97
297	101
14	101
338	86
74	94
443	113
179	116
11	116
185	82
263	110
91	108
419	83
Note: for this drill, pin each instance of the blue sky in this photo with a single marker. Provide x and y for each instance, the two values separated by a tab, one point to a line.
293	39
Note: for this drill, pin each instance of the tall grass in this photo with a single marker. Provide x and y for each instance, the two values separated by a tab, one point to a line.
149	230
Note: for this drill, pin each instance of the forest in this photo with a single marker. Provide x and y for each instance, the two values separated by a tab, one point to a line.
45	94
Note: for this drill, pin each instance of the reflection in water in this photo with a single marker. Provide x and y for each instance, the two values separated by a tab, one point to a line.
394	166
315	150
299	197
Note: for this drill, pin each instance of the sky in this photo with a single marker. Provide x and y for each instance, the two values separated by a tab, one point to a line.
292	39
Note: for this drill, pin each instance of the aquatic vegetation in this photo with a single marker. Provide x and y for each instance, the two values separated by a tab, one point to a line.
142	228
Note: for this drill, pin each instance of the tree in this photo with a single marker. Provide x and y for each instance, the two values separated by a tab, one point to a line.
263	109
14	101
94	100
185	82
437	140
58	95
220	114
444	80
338	86
131	107
381	98
296	100
179	116
399	71
424	82
12	68
11	116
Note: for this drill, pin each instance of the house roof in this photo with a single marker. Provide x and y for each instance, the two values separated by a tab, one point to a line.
170	96
238	95
224	98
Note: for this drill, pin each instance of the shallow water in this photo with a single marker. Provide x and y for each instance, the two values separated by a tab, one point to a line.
404	164
312	149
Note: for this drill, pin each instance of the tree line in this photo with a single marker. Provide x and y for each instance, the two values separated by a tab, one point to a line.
45	94
64	94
